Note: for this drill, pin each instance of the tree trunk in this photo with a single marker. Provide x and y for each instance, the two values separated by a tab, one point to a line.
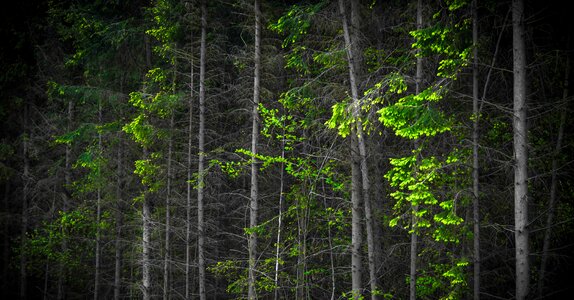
356	216
67	193
98	214
552	200
279	219
201	149
189	178
167	246
146	241
475	182
520	152
25	191
414	237
351	41
119	224
254	203
146	214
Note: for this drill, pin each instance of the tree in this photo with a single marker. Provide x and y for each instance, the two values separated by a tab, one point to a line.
254	203
520	134
201	150
475	158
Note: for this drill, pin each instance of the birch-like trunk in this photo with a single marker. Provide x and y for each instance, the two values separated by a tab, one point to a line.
279	219
201	150
254	203
520	152
189	178
351	45
167	245
146	213
146	242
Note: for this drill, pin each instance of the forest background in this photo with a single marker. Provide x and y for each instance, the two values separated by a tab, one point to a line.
286	149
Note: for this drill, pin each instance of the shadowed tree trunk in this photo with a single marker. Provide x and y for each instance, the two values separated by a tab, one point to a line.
119	223
25	192
98	213
552	200
414	237
201	150
520	152
475	182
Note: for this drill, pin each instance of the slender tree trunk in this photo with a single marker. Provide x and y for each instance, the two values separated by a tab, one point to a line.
475	182
167	253
67	193
353	54
414	236
25	192
167	246
254	203
146	214
520	152
356	216
119	224
552	200
146	241
98	215
279	219
330	240
201	149
189	178
351	42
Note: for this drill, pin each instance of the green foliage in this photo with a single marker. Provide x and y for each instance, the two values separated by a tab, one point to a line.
448	38
341	119
295	22
166	26
44	244
414	116
149	172
93	162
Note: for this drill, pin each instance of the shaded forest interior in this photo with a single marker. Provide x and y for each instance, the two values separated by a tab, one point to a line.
249	149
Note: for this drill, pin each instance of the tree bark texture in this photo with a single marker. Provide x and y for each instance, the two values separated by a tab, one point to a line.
201	150
520	152
254	203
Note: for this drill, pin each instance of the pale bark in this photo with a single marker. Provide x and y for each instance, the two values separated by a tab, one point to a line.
279	219
475	174
188	247
353	55
146	242
146	214
356	216
520	152
167	241
201	149
553	183
254	203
